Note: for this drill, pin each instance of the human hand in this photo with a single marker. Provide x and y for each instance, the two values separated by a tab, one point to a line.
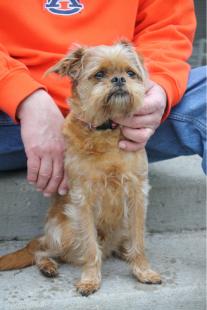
140	127
41	125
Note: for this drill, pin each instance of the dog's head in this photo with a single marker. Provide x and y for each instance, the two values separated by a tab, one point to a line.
108	81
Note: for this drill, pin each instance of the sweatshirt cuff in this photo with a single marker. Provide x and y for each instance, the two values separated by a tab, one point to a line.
171	90
15	87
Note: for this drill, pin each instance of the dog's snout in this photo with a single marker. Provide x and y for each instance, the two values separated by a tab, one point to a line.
118	81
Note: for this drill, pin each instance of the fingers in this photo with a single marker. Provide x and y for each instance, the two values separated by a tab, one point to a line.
147	116
45	173
149	120
58	180
33	166
138	128
143	116
152	103
127	145
136	139
137	135
151	112
63	187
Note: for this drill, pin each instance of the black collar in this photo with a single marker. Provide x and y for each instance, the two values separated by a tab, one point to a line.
107	125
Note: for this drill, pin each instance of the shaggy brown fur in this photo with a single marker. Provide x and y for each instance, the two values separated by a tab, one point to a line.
104	210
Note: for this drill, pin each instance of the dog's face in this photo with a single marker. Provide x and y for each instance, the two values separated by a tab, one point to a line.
108	81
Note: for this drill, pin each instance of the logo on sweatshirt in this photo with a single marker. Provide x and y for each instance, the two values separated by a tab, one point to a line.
64	7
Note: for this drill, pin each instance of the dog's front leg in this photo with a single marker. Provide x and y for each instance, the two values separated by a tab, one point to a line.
135	248
91	273
88	250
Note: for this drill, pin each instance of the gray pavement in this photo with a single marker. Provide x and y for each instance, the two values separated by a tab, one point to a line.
180	258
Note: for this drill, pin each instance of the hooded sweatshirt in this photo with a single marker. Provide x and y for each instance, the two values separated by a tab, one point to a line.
36	34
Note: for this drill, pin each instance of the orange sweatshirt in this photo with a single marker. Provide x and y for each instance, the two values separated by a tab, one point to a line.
35	34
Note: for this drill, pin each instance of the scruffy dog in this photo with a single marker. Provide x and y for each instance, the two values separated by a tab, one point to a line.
104	210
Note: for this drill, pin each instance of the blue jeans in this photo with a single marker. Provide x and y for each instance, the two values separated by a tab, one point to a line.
183	133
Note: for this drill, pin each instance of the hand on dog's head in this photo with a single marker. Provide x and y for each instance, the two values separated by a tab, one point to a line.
108	81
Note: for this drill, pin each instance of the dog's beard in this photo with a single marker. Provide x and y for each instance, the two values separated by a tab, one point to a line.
118	95
106	103
119	101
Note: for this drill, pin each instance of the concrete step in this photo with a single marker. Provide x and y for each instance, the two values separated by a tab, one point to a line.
178	196
179	257
177	200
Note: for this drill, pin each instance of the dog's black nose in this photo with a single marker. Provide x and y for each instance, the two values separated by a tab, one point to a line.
118	81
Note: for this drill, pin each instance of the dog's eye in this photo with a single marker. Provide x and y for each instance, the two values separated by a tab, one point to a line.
131	73
99	75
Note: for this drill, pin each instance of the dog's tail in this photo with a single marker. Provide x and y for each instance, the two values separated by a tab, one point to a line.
22	258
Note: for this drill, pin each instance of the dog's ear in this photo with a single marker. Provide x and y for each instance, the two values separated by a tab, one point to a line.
138	58
70	65
125	43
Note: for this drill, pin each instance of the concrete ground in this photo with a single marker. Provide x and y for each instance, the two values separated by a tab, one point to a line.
175	244
178	257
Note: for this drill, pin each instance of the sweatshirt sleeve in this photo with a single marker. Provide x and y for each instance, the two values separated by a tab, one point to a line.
16	83
163	35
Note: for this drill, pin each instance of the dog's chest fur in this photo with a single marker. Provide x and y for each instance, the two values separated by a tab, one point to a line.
100	174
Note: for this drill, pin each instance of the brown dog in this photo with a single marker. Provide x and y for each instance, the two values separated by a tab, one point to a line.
105	208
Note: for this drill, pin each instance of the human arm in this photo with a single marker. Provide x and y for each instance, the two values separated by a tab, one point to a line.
41	126
163	36
25	100
16	83
141	126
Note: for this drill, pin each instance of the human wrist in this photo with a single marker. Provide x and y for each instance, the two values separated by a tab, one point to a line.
37	99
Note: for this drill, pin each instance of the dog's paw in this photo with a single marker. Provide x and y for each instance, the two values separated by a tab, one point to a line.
87	288
147	276
49	269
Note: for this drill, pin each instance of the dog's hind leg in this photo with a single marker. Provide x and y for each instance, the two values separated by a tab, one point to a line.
47	265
